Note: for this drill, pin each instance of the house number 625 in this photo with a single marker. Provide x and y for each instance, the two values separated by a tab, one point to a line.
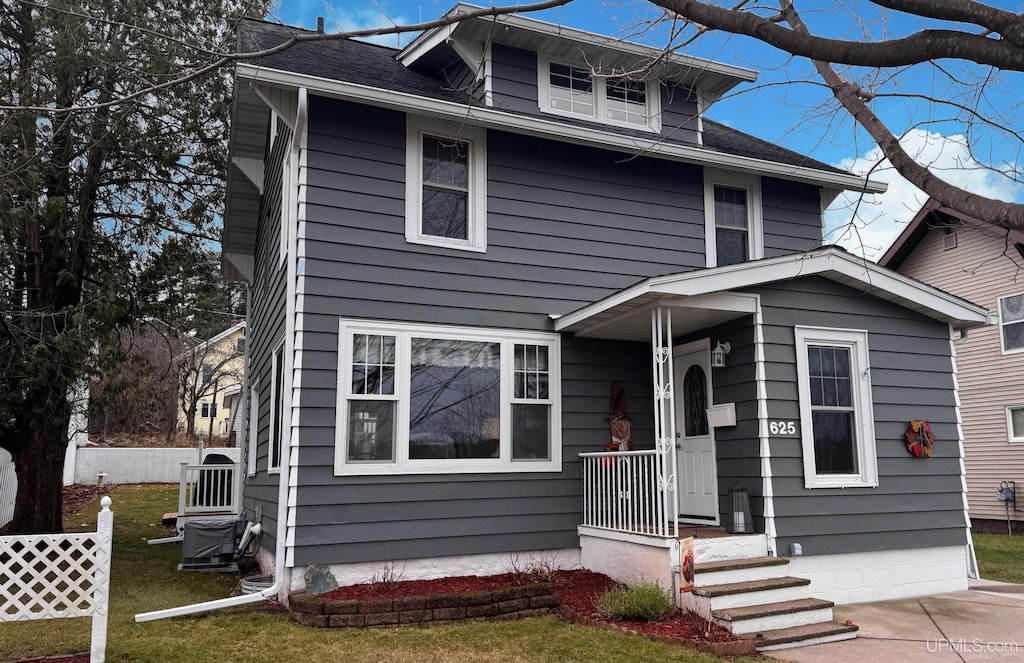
782	427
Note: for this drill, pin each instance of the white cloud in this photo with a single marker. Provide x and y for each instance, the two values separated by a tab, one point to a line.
878	219
350	18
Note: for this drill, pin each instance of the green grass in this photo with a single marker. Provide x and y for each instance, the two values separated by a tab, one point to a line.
1000	557
144	578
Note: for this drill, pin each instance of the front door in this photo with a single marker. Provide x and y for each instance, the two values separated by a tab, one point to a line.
695	441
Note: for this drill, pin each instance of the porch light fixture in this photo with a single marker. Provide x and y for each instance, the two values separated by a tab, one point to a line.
718	354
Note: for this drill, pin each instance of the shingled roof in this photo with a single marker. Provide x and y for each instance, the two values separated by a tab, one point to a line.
376	66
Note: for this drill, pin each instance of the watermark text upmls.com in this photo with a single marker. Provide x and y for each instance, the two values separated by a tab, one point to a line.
975	646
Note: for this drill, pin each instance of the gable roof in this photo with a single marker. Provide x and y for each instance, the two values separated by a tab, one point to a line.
628	308
372	74
934	215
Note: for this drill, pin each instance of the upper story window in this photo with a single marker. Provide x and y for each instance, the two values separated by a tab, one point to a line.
427	399
732	218
572	90
1011	322
1015	423
446	184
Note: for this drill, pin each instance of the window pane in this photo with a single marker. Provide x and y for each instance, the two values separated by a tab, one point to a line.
445	161
1012	308
373	364
571	90
834	443
530	377
1013	336
730	207
695	401
627	101
531	432
454	401
444	214
371	431
731	246
1017	422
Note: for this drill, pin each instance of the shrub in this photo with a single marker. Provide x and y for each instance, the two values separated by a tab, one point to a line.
644	602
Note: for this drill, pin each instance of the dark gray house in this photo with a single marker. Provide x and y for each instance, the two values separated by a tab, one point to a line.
454	250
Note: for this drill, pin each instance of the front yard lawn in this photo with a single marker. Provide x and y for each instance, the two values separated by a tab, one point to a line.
1000	557
144	578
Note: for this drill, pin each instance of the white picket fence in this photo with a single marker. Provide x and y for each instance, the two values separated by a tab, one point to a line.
8	487
55	576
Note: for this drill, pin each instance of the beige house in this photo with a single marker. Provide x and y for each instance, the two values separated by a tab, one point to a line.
983	264
211	379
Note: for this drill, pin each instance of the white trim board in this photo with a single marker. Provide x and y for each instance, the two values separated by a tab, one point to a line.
545	128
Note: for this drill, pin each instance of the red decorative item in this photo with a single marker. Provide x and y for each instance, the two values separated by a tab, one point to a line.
920	438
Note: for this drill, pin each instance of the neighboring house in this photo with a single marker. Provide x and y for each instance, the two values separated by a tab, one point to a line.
985	264
455	249
211	382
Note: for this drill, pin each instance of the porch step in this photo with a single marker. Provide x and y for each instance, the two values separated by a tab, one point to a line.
740	570
803	636
752	592
774	616
729	589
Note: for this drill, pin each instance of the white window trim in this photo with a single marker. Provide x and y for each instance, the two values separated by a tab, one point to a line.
1002	338
476	207
867	459
600	97
254	428
1009	424
402	464
755	221
274	396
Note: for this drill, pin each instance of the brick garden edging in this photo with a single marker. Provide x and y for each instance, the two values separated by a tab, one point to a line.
745	646
507	603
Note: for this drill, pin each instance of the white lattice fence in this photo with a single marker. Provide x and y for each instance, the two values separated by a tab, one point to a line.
53	576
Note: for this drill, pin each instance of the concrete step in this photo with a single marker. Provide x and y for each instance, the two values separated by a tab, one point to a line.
740	570
751	592
774	616
803	636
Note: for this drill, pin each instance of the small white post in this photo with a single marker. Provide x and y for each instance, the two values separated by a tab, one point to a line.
101	588
182	489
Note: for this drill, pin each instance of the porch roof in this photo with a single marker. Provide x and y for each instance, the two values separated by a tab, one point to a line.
714	295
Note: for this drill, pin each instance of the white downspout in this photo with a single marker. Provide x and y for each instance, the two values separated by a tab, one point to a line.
301	118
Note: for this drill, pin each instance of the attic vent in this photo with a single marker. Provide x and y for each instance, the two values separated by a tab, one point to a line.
949	241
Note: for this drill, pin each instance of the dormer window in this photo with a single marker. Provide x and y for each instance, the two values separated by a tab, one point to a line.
574	91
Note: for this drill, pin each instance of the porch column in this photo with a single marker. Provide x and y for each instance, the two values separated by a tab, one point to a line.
664	419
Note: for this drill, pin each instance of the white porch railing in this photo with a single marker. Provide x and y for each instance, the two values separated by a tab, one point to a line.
208	489
8	488
53	576
621	493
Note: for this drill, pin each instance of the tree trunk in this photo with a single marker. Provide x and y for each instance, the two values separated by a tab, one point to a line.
39	465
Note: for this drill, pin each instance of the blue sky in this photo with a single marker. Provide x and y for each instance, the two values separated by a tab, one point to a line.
785	106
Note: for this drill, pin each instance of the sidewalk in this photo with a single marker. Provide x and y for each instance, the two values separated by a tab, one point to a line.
981	624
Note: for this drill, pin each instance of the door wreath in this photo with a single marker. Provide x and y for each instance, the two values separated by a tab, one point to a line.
920	438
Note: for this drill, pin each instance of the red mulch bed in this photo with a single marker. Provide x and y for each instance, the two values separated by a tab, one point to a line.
579	590
78	495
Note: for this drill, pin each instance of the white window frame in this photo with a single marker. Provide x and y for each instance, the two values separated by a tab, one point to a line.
476	206
1009	424
274	396
856	341
254	428
1002	337
206	408
403	332
755	215
600	114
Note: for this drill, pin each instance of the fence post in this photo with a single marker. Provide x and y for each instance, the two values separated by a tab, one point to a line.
101	589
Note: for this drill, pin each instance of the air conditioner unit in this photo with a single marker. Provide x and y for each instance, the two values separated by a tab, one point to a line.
208	544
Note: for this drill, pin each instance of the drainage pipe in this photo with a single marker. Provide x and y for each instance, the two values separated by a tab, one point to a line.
301	118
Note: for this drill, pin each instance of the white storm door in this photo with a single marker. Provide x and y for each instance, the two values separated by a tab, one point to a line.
696	469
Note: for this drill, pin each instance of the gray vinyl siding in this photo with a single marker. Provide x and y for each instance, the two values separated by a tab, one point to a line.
737	448
266	329
917	503
791	214
514	87
460	77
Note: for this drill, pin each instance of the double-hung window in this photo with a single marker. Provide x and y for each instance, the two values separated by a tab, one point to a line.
732	218
573	90
1011	323
208	410
837	423
429	399
446	184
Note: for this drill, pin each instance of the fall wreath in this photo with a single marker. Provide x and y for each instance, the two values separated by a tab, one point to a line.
920	438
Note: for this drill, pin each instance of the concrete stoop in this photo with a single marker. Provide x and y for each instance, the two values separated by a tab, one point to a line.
753	596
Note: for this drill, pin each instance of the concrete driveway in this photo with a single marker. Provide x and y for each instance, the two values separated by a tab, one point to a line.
985	623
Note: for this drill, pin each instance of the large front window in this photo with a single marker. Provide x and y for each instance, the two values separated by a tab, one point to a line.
442	399
835	405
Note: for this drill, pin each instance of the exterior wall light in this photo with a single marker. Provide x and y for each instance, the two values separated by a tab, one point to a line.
718	354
